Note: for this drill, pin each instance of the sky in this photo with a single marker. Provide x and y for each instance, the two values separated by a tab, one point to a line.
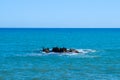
59	13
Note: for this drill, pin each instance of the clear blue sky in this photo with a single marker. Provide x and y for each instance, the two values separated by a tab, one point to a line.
60	13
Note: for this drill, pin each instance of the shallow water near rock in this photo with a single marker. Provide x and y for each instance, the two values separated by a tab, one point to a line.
21	58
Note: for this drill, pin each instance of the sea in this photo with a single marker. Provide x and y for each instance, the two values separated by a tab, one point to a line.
21	57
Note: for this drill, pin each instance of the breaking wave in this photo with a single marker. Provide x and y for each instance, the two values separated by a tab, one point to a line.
86	50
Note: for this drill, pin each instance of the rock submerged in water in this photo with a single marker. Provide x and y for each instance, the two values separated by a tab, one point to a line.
59	50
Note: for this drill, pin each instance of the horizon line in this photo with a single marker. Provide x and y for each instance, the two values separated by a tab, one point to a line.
59	27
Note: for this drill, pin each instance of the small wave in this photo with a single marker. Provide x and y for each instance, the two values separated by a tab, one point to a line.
86	50
82	52
75	55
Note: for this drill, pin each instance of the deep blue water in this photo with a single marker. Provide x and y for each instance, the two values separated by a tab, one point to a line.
21	59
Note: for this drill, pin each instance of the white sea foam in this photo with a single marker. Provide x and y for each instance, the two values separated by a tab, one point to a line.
86	50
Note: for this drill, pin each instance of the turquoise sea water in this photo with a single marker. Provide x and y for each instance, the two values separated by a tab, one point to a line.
21	59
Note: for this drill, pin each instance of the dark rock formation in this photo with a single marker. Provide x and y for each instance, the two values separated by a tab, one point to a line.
56	49
59	50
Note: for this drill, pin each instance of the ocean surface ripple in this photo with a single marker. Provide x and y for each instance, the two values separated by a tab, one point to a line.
21	58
